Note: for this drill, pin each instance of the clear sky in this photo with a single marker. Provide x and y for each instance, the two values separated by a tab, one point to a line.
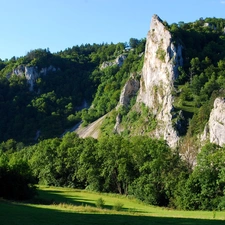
58	24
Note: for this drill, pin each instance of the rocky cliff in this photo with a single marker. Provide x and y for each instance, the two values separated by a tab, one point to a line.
160	69
162	59
129	90
31	73
215	128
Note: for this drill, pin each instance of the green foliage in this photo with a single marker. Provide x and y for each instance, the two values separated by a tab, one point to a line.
110	164
139	119
133	42
204	189
160	54
58	97
72	82
118	206
17	181
100	203
158	171
112	81
139	166
202	74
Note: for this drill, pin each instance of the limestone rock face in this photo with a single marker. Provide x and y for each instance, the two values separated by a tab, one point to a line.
160	69
129	90
118	61
216	125
31	73
19	71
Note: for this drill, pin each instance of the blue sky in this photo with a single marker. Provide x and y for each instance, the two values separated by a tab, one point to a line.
58	24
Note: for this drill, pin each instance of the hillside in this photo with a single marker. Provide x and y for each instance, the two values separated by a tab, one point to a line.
182	75
163	86
178	71
147	119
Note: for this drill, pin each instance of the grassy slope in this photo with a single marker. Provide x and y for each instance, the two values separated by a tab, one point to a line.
68	206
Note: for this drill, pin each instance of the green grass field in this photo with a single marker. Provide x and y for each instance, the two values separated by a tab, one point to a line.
56	206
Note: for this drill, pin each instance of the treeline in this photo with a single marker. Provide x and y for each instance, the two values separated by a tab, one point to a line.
139	166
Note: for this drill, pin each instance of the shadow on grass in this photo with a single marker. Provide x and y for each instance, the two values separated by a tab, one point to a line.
49	197
14	213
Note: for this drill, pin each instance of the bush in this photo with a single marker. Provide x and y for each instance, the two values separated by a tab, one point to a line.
100	203
118	206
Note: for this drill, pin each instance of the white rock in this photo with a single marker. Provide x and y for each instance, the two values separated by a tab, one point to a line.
162	59
217	122
31	73
118	61
129	90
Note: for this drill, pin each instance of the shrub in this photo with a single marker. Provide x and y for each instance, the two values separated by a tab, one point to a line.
118	206
100	203
161	54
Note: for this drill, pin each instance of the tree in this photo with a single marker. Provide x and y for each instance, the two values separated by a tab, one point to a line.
117	169
204	189
133	42
158	171
43	162
17	181
89	169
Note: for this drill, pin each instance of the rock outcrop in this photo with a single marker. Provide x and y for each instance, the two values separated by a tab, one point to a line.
129	90
215	128
31	73
162	59
118	61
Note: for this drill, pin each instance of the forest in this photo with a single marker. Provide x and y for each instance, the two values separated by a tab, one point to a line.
34	150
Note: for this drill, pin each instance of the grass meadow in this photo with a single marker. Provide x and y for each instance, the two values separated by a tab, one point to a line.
57	206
